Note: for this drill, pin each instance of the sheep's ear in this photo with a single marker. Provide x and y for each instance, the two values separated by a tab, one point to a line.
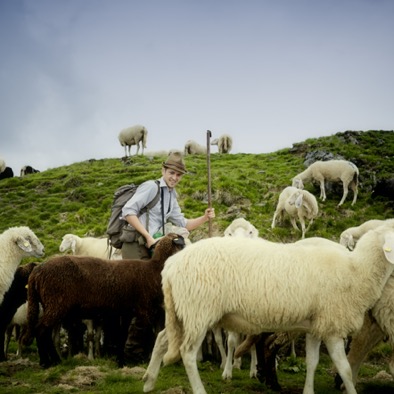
350	242
298	201
73	244
24	244
388	247
179	241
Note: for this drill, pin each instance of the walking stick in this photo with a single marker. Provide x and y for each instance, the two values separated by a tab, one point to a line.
209	135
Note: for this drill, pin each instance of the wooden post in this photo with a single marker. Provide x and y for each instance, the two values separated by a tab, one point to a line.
209	135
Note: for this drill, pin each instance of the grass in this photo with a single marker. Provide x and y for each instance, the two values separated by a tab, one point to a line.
77	199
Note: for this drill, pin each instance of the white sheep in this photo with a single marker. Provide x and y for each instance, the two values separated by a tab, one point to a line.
298	204
224	143
286	193
89	246
334	171
351	235
134	135
18	324
194	148
15	244
264	286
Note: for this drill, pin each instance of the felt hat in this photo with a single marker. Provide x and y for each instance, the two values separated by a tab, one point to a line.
175	162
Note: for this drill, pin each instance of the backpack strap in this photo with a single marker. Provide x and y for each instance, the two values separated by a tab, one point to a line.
151	204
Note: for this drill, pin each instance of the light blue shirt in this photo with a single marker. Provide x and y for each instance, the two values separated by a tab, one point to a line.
144	194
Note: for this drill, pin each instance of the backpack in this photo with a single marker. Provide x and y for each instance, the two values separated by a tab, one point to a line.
116	225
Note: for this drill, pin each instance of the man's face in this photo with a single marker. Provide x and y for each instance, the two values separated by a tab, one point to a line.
171	177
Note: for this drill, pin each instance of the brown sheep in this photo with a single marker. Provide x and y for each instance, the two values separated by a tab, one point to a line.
70	287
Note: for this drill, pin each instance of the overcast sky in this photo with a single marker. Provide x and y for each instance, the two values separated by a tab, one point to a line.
268	72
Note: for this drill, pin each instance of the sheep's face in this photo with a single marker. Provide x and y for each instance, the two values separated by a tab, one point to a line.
241	228
168	245
29	243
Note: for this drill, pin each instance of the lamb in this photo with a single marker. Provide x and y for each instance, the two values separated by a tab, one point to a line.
25	170
294	284
2	165
15	244
299	204
194	148
89	246
224	143
18	324
134	135
116	290
334	171
351	235
14	297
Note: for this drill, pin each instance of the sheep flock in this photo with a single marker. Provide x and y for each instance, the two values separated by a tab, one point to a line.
327	291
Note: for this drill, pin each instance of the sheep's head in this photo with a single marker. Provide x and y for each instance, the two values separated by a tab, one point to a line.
68	242
167	246
347	240
27	241
241	228
297	182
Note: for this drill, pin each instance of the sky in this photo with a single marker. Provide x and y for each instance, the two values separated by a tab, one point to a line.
268	72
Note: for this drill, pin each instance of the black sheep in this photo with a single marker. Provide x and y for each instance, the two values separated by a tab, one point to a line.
15	296
70	287
7	173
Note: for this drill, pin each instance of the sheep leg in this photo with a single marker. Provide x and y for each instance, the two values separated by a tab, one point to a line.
217	333
90	338
274	219
322	190
266	351
312	359
7	339
353	186
253	362
189	357
46	348
232	342
294	224
367	338
345	192
336	350
152	372
309	225
302	221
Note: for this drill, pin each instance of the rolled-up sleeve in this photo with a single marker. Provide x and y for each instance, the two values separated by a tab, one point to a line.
144	194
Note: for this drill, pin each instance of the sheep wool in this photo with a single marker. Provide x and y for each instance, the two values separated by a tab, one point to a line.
334	171
14	297
224	143
351	235
194	148
378	324
113	289
134	135
277	287
15	244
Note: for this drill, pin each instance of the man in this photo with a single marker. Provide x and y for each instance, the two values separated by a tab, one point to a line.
149	225
146	228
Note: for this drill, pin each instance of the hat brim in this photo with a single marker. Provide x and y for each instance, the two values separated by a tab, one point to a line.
175	168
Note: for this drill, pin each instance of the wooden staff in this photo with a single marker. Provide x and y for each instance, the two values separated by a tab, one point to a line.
209	135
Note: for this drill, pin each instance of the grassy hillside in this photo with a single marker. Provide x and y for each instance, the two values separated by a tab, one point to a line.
77	199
